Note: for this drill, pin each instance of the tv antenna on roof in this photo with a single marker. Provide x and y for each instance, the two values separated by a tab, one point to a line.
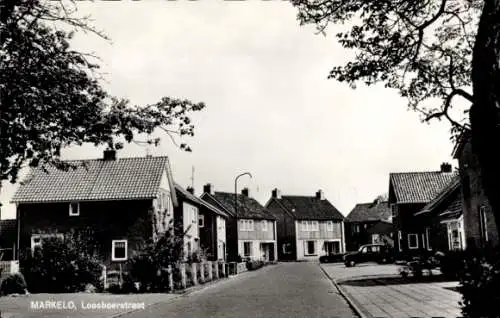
192	177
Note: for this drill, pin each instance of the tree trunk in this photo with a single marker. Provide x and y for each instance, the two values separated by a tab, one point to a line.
485	112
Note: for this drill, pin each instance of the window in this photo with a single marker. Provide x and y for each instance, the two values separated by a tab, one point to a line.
246	225
264	225
314	226
201	220
376	249
74	209
119	250
412	241
37	239
364	250
394	210
483	224
356	228
247	249
308	226
310	248
427	235
400	241
304	226
329	226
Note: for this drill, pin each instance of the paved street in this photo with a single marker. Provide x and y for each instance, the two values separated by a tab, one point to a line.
378	291
283	290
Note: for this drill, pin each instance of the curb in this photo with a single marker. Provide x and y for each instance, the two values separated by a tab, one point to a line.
347	297
186	292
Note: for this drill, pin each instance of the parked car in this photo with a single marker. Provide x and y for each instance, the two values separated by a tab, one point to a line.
331	258
379	253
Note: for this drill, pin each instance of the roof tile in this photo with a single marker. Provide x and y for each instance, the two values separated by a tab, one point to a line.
373	211
247	207
94	180
310	208
419	187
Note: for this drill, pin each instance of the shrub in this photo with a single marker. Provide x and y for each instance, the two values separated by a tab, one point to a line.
13	284
452	264
150	266
479	280
62	265
253	265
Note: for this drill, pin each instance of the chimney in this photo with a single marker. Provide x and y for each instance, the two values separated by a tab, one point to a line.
276	193
190	190
320	195
208	188
245	192
445	167
109	155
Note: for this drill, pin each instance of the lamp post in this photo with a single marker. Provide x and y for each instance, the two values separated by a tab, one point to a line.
236	204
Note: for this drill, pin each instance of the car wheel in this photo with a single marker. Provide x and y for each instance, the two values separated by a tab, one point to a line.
383	261
352	263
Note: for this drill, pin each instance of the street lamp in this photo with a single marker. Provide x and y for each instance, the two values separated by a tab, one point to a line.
236	203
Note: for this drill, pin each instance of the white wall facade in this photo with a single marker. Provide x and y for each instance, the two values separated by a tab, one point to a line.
317	235
190	227
221	237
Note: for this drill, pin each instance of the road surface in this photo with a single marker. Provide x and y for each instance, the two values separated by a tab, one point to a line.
284	290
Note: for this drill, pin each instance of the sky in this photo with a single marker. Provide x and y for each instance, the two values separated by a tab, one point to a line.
270	109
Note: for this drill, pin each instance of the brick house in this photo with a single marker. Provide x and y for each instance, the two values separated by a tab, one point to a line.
443	219
251	229
308	226
203	225
409	192
368	223
120	202
479	220
8	235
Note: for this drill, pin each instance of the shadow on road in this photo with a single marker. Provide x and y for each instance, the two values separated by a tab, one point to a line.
396	280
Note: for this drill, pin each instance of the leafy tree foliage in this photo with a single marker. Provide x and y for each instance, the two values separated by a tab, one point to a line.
51	96
432	52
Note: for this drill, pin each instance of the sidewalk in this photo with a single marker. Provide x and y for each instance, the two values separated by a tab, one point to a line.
378	291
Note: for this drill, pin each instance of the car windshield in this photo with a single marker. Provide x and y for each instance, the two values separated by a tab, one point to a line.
361	248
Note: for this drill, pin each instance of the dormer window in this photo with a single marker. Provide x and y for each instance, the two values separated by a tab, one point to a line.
74	209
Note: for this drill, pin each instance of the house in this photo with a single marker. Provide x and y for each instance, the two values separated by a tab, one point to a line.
8	235
251	229
368	223
203	225
308	226
479	220
409	192
444	218
118	203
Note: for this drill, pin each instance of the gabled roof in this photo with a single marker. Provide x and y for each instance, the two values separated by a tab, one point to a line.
450	192
381	227
309	208
96	180
454	209
374	211
418	187
183	193
248	208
